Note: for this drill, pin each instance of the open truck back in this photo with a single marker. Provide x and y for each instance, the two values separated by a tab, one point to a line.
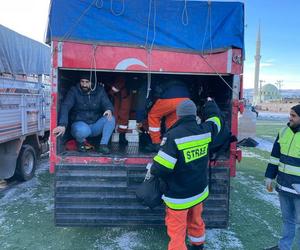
199	42
24	103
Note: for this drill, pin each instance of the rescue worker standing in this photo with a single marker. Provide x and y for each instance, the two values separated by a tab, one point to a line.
285	167
169	94
182	163
122	102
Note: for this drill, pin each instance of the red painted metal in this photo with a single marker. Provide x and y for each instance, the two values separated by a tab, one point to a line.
102	160
81	56
234	131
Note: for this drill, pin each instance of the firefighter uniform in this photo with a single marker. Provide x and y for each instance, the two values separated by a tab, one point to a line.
182	163
170	94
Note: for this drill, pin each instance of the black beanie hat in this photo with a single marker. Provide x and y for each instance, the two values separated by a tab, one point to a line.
85	75
296	109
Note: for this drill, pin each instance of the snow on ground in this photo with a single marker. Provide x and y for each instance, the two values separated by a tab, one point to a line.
250	154
129	241
126	241
259	189
264	144
273	116
223	239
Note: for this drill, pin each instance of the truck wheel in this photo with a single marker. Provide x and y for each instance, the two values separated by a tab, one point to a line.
26	163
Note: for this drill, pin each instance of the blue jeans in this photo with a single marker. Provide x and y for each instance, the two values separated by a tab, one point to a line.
290	209
81	130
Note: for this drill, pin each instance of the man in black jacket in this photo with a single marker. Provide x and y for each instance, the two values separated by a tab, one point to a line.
182	163
91	114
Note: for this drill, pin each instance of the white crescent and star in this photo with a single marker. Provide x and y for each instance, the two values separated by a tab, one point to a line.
124	64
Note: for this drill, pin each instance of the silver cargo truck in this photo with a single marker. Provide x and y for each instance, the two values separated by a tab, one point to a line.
24	104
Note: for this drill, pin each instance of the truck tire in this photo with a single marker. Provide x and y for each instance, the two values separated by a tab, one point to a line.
26	163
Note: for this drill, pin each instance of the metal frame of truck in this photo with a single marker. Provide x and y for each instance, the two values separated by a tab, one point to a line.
87	190
24	104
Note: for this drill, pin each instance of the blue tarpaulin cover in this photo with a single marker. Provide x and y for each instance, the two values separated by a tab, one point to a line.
175	24
22	55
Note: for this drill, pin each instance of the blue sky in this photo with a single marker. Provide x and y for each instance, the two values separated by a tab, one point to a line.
280	34
280	41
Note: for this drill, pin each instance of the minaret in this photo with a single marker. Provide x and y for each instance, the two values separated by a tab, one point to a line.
257	63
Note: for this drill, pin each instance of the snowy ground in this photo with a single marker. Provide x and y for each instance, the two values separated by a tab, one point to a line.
272	116
26	216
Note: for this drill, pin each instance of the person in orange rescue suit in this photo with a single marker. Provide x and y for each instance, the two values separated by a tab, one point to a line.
169	94
182	162
122	101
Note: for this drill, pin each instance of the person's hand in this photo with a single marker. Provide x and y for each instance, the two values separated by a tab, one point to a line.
108	114
59	130
148	174
268	183
209	99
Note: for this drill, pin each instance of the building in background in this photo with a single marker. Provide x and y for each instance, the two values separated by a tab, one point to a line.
269	93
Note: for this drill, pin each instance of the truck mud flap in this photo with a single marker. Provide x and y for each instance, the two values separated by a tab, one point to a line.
104	195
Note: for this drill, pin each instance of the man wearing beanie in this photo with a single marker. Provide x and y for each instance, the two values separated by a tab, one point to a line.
91	114
284	165
182	162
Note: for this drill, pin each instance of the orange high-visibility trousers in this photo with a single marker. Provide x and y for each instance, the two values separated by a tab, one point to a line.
162	108
180	222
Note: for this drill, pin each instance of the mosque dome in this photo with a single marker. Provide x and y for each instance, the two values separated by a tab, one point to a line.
270	92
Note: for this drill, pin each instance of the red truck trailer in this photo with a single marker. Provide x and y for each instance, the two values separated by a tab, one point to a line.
200	42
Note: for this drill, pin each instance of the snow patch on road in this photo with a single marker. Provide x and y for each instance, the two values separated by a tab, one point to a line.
259	190
249	154
222	239
264	144
273	116
127	240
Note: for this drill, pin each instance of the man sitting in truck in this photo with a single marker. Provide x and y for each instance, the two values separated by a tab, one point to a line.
91	114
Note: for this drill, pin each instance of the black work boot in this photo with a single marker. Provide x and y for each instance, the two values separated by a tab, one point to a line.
122	139
193	247
103	149
81	147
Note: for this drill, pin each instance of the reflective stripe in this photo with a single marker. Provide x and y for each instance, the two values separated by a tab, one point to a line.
154	129
165	160
193	141
176	203
289	169
216	120
123	126
274	160
197	239
287	189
